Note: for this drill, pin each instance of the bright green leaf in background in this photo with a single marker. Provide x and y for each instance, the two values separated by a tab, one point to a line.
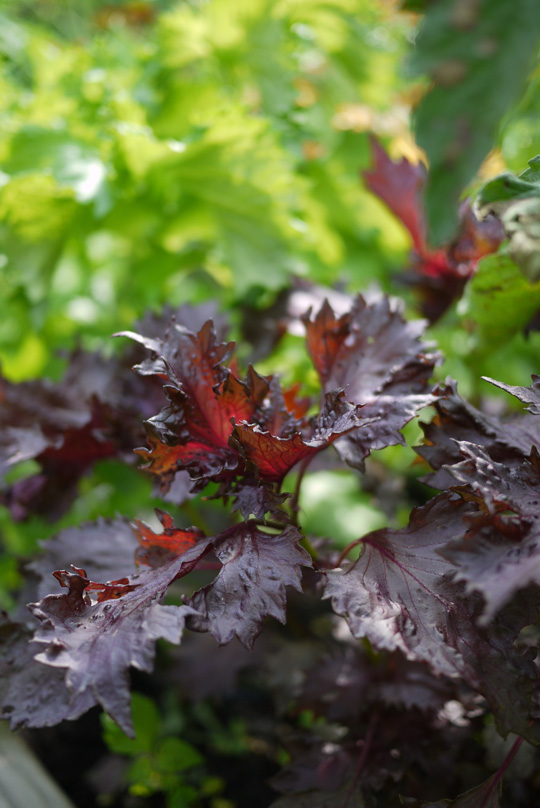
477	54
500	300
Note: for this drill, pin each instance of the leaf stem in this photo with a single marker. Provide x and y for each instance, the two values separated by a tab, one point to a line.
307	545
362	758
345	552
296	493
501	770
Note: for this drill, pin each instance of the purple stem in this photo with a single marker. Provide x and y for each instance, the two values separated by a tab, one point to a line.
362	758
501	770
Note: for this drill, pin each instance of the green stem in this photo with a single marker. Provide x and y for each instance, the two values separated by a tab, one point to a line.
307	545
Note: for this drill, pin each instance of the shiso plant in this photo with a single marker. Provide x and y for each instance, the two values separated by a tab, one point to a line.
441	612
236	651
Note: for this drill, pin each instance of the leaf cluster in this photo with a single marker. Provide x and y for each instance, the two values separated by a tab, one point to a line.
445	603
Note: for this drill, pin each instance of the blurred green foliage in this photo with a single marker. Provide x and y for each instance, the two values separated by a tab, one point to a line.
155	151
160	762
168	152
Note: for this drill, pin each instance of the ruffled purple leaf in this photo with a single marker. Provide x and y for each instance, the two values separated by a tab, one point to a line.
500	554
98	641
506	440
105	549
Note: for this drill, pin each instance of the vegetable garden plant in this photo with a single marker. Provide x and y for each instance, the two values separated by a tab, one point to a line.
396	666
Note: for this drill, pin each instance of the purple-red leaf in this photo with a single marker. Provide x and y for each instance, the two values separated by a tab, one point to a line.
192	433
400	186
156	548
273	456
380	362
439	276
94	413
257	567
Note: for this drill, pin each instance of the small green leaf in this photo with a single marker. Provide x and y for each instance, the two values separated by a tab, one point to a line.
146	723
144	778
173	755
182	796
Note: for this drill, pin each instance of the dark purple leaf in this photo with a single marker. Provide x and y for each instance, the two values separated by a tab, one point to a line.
257	567
484	796
347	683
170	346
379	360
98	641
257	497
33	694
501	553
399	595
528	395
507	441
